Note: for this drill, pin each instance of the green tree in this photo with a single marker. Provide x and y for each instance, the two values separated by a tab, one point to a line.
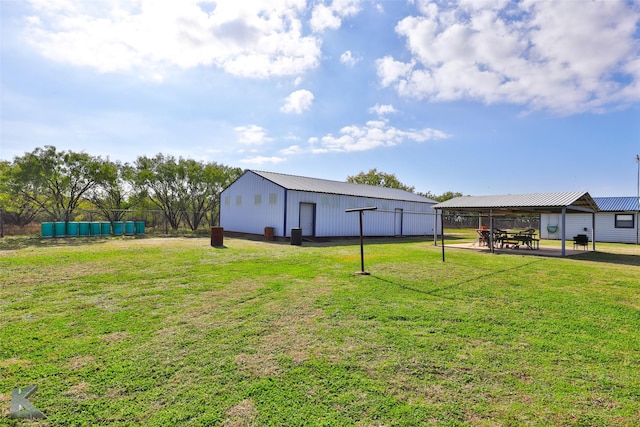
113	194
379	179
182	189
15	209
55	181
159	179
204	182
443	197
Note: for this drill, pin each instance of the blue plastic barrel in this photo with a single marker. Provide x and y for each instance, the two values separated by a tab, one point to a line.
60	228
129	228
72	229
117	228
105	228
83	229
139	227
94	228
47	229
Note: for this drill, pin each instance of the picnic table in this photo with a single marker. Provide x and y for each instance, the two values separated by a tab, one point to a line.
510	239
514	239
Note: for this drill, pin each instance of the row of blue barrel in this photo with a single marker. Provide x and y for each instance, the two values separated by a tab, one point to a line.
86	229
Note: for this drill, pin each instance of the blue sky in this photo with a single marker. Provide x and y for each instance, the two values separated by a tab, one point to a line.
476	96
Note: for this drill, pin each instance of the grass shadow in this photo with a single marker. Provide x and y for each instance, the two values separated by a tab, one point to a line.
16	243
609	258
434	292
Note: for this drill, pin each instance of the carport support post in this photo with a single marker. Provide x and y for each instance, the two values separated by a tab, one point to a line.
491	230
593	230
442	232
435	229
564	231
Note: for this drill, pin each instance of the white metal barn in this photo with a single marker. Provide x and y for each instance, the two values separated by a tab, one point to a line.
616	221
259	199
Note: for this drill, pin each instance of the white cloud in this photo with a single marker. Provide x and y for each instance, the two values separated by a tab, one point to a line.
375	134
381	110
261	160
252	135
564	56
348	59
330	16
250	38
297	102
293	149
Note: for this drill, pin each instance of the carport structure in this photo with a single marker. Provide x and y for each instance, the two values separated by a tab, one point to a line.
537	203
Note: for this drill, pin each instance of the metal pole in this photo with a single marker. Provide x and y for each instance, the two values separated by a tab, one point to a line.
564	233
361	245
442	232
361	210
491	230
638	199
593	231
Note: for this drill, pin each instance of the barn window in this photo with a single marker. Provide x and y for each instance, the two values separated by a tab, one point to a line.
624	221
273	198
238	200
227	200
257	199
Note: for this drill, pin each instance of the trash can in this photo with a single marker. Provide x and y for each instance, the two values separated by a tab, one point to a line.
268	234
296	236
217	236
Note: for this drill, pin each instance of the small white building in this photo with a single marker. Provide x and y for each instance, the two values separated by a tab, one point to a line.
258	200
616	222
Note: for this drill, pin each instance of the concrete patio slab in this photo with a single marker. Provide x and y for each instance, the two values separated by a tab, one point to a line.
550	251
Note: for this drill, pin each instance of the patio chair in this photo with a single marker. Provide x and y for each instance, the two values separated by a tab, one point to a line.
580	240
483	237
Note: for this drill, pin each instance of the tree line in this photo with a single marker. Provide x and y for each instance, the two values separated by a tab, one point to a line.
390	180
55	185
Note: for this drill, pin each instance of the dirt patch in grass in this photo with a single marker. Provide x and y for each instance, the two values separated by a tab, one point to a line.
79	391
115	337
242	414
78	363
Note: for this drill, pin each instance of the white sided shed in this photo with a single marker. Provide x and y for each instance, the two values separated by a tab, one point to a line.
616	221
259	199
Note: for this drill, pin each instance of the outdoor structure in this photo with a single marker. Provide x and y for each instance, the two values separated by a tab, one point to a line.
616	221
539	203
265	200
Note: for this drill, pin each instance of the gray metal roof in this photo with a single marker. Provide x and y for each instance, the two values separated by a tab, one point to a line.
617	204
315	185
522	202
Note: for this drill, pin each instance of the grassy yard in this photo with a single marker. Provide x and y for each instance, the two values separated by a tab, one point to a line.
163	332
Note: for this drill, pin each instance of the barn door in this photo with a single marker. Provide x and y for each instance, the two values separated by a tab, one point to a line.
397	229
308	219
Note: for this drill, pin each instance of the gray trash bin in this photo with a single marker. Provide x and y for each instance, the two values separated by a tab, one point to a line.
296	236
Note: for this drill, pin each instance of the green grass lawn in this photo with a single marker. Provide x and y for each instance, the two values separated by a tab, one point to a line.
164	332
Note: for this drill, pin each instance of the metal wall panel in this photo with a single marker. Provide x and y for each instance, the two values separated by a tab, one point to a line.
576	223
252	203
332	220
